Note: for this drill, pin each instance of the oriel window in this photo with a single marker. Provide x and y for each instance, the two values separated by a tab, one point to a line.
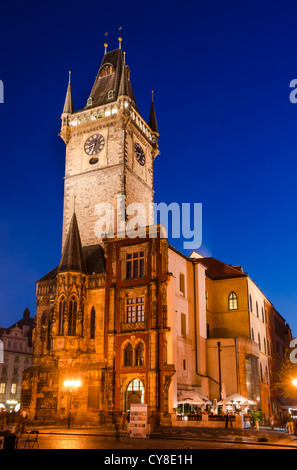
135	309
135	265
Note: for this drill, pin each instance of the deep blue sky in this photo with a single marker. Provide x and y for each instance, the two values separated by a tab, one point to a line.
228	133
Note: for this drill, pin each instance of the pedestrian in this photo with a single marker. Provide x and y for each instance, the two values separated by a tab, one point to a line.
271	421
290	426
228	420
128	424
23	421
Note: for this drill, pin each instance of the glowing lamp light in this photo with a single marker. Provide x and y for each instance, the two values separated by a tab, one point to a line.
72	383
294	382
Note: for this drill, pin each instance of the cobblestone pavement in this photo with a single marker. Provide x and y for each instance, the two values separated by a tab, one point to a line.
104	437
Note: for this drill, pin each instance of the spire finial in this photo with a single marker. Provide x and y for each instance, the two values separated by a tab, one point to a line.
152	95
120	42
124	57
105	45
69	76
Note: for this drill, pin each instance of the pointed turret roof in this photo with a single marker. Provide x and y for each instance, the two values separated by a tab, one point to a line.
152	119
116	79
68	105
72	256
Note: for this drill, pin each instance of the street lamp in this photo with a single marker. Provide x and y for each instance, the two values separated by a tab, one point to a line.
71	384
294	382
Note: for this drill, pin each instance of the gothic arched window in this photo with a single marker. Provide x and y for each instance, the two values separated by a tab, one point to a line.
62	306
92	325
128	355
139	354
72	316
232	301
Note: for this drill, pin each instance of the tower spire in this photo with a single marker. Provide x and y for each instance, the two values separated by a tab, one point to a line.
152	119
72	258
68	105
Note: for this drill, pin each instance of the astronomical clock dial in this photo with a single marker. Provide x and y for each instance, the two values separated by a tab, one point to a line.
139	154
94	144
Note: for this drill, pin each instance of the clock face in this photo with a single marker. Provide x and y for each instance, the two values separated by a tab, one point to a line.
139	154
94	144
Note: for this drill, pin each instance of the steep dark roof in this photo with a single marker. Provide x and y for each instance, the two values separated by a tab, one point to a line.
94	259
152	119
112	82
218	270
72	255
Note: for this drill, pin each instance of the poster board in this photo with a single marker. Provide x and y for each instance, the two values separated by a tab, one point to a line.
138	420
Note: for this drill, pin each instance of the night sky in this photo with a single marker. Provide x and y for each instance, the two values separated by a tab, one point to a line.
220	71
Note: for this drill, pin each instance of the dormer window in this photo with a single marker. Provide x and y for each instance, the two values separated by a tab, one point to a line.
110	95
107	69
90	102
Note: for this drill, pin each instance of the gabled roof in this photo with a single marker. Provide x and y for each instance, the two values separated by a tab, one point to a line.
25	321
218	270
118	81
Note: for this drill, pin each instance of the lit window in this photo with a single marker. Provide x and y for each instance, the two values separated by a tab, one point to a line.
13	389
107	112
232	301
110	94
135	310
114	110
90	102
135	265
2	387
136	386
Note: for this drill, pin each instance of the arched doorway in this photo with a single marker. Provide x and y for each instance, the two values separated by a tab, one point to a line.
134	393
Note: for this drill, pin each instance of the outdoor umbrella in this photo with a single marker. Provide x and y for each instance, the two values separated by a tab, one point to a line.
236	398
193	398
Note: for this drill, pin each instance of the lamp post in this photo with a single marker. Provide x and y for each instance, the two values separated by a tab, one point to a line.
71	384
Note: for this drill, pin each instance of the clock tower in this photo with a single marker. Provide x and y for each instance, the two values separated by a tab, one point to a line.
110	150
